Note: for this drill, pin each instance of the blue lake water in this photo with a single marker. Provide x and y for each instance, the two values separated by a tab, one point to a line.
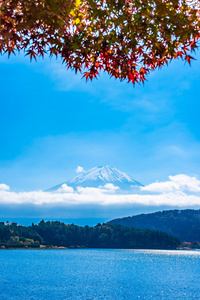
99	274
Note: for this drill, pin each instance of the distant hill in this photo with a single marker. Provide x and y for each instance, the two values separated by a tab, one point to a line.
100	176
183	224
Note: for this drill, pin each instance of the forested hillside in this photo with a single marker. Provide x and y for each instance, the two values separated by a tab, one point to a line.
72	236
184	224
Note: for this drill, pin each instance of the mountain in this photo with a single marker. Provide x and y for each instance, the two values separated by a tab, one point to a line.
183	224
100	176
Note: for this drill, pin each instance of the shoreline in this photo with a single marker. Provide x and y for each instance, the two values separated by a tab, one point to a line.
78	248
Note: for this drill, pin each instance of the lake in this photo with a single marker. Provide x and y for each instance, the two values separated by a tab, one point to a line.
91	274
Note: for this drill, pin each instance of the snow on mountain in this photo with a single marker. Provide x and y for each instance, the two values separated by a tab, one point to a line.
100	176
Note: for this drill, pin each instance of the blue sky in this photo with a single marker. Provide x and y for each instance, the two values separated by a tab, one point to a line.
51	121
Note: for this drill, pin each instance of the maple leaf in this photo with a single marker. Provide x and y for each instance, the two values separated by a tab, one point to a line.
188	58
31	53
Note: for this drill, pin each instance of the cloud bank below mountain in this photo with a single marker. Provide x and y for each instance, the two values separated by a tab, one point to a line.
179	191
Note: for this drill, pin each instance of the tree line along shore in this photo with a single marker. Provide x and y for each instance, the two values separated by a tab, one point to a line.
59	235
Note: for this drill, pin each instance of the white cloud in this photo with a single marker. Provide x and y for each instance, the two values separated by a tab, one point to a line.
111	187
161	187
65	189
171	193
177	183
4	187
93	196
186	182
79	169
179	191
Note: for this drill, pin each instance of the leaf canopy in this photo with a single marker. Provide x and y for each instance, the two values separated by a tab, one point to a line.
125	38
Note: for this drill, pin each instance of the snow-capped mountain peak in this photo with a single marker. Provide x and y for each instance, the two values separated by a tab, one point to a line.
99	176
104	173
